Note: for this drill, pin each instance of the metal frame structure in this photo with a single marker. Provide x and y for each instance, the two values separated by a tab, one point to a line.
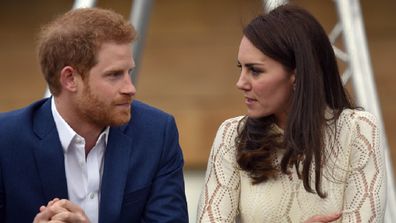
140	15
83	4
360	72
359	66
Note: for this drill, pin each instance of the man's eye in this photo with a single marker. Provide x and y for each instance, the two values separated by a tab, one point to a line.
115	74
130	72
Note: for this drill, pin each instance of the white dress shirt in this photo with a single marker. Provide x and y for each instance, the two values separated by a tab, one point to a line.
83	173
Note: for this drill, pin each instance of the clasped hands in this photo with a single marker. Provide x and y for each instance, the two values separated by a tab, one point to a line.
64	211
61	211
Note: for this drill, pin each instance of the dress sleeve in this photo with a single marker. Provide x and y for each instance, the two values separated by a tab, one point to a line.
220	196
366	187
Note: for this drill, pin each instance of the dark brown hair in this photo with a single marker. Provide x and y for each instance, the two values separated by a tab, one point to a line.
74	38
294	38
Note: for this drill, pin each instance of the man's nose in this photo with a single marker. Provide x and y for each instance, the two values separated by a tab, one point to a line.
128	87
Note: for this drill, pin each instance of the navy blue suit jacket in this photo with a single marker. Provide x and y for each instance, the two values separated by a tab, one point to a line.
142	178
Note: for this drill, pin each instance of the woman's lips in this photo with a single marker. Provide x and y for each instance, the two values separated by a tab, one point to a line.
249	101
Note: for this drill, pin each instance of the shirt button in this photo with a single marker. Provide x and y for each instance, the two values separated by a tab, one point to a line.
91	196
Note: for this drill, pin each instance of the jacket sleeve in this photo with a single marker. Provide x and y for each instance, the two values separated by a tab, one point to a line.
2	198
167	201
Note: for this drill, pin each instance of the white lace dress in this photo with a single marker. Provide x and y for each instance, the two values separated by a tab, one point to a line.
353	179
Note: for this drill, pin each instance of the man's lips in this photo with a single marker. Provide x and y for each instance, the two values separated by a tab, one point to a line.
124	103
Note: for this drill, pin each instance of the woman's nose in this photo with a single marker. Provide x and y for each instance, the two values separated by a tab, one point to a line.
243	82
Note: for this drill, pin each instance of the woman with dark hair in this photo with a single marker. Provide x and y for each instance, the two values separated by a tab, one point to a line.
303	152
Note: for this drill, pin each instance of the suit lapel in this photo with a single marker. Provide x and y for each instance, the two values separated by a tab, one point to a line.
50	164
114	177
49	154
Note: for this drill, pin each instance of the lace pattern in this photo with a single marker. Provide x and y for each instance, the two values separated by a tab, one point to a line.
353	178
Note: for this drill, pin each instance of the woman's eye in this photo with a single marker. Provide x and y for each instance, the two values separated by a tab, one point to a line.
255	71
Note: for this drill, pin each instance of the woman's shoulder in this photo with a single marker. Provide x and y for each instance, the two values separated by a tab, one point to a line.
233	121
360	129
232	124
355	116
228	129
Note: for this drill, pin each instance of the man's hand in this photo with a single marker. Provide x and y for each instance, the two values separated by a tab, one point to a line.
61	211
46	212
324	218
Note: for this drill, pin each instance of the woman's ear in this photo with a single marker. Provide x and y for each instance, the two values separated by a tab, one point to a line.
68	79
293	79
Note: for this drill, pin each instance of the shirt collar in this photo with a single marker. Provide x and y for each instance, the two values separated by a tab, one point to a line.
66	133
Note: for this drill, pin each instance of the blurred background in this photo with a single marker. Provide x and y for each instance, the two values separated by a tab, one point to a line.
188	66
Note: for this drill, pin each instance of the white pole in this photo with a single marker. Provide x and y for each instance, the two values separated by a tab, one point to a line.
364	84
140	14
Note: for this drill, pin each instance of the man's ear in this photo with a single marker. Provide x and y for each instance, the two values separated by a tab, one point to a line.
68	78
